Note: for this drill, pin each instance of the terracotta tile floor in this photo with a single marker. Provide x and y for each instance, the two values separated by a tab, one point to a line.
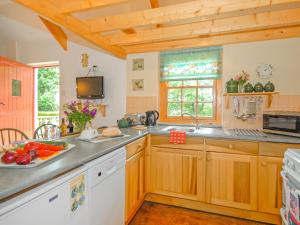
157	214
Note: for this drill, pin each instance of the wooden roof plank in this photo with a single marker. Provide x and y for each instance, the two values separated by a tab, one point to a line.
72	6
194	11
260	21
218	40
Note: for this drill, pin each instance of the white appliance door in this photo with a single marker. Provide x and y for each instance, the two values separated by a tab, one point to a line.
65	204
50	208
107	200
291	212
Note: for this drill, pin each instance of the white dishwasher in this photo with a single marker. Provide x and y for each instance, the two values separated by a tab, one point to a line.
63	200
106	187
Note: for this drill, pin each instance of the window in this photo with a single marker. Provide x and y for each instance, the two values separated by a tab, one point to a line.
190	83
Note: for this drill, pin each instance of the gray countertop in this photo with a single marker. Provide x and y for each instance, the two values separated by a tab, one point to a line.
13	181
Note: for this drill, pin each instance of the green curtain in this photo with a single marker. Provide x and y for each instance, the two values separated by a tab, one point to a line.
191	64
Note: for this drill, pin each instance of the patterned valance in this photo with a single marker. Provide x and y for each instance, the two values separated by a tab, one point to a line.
191	64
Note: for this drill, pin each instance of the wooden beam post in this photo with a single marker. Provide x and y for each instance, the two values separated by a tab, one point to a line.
57	33
80	28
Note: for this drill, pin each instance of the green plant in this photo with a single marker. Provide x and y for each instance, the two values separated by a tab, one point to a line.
48	88
80	113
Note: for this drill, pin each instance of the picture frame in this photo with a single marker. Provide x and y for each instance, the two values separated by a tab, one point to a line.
16	88
138	64
138	84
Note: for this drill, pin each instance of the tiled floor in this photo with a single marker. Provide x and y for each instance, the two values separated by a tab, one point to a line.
157	214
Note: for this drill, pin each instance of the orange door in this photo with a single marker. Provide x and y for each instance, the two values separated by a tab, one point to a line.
16	111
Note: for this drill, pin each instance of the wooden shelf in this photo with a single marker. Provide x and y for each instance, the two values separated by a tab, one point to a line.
268	94
252	93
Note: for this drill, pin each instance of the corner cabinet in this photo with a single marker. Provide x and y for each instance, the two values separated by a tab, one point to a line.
177	172
270	184
135	177
231	180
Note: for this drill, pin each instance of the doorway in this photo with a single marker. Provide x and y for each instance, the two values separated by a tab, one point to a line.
47	94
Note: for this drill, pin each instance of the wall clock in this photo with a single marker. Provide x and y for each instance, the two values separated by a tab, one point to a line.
265	71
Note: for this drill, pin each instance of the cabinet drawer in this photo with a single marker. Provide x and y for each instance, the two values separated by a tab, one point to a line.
135	147
232	146
192	143
275	149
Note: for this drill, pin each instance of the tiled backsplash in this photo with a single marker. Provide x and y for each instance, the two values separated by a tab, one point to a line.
139	104
280	103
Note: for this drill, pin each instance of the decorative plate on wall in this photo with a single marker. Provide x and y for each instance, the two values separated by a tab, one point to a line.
265	71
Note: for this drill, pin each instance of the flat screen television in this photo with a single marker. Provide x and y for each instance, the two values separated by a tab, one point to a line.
90	87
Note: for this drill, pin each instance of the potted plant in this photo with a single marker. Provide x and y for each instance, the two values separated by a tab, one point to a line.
80	113
242	78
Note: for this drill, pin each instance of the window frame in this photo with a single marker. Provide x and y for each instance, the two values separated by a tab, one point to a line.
216	119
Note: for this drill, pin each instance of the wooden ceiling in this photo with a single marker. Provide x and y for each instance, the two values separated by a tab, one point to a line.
175	25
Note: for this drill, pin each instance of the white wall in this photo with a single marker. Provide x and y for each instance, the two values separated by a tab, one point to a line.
113	70
150	74
9	49
284	55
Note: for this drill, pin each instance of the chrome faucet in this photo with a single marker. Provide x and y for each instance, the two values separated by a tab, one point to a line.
196	120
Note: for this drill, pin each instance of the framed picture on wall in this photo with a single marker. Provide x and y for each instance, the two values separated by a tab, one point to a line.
138	64
16	88
138	84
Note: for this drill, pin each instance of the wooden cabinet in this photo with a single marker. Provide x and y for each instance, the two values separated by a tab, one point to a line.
269	184
231	180
177	173
135	178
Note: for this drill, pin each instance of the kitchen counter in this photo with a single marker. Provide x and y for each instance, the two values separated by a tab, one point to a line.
13	181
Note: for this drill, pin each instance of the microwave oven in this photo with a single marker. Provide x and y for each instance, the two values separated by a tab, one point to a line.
282	122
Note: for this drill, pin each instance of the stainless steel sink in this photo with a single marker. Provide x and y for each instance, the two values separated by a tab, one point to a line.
192	130
178	128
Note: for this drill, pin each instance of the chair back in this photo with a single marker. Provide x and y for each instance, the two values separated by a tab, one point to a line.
45	131
11	135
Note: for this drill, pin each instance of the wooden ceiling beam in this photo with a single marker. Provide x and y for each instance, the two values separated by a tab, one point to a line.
260	21
72	6
154	4
47	10
58	33
218	40
194	11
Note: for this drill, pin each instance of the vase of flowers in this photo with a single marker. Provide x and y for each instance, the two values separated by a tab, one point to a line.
80	113
242	78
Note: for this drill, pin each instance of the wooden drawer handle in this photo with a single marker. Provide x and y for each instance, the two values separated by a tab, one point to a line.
139	146
264	164
230	146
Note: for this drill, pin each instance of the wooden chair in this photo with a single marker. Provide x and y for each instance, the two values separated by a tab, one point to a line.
40	132
11	135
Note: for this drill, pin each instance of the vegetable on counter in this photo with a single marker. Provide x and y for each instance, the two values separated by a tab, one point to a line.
23	159
8	157
28	152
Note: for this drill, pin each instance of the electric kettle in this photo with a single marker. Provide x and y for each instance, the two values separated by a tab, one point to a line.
151	117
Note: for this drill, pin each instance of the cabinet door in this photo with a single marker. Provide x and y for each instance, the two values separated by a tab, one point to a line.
269	184
231	180
178	173
135	184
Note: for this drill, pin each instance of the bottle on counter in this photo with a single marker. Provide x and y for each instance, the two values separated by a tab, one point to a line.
70	126
63	127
